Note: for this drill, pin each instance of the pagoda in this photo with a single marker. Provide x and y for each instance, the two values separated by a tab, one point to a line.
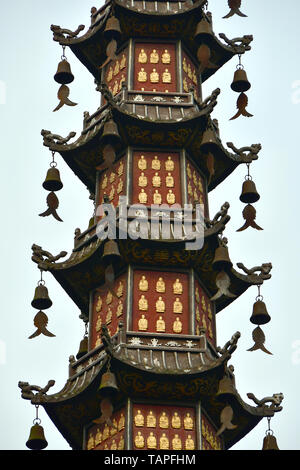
149	373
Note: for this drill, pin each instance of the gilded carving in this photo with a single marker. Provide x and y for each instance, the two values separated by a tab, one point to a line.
151	441
99	304
188	422
151	420
142	163
120	309
142	75
169	181
143	303
139	440
123	62
166	76
157	197
176	442
98	323
176	421
143	284
120	289
143	180
154	57
164	442
160	325
169	164
166	57
177	326
142	57
189	443
163	421
139	419
143	323
90	443
170	197
177	287
143	198
160	285
154	76
155	163
177	306
160	305
156	181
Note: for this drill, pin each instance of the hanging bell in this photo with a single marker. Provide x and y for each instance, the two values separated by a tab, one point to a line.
52	181
221	260
108	385
110	133
209	140
41	299
240	82
249	192
111	252
64	74
270	442
203	28
260	314
112	28
36	440
83	348
226	389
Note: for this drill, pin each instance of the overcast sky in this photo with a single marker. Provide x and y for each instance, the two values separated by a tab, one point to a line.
29	59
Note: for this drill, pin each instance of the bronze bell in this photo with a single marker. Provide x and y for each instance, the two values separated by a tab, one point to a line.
83	348
270	442
52	181
108	385
209	139
110	133
64	74
41	299
226	389
249	192
240	82
204	27
260	314
36	440
112	28
111	252
221	260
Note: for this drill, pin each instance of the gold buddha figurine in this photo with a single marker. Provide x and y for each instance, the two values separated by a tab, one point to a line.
164	442
120	187
200	185
184	65
143	303
197	296
142	75
176	442
99	304
151	441
139	419
189	443
98	341
142	57
209	312
121	424
204	324
143	284
157	197
163	421
177	306
190	189
112	194
113	445
195	77
142	163
143	180
198	318
98	437
109	298
139	440
177	287
106	447
121	443
169	181
155	163
121	169
169	164
98	323
188	171
104	182
177	326
143	323
170	197
154	58
195	195
176	421
120	289
154	76
143	197
114	428
203	303
105	432
189	72
185	85
91	442
160	285
210	332
166	76
166	58
123	62
151	420
117	68
160	305
188	422
160	325
120	308
109	74
156	181
115	87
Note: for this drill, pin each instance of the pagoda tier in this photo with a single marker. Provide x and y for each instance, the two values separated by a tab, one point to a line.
159	378
167	20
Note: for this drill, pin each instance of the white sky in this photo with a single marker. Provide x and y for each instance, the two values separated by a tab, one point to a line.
29	59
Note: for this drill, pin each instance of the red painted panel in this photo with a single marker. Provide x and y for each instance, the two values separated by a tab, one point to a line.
163	427
210	440
116	73
160	306
145	70
196	188
104	437
189	75
108	309
204	313
148	167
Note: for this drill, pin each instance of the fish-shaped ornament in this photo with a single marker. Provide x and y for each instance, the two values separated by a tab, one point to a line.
223	284
234	6
40	321
241	104
226	420
110	52
249	214
203	56
109	155
210	163
63	96
109	282
106	409
259	339
52	203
